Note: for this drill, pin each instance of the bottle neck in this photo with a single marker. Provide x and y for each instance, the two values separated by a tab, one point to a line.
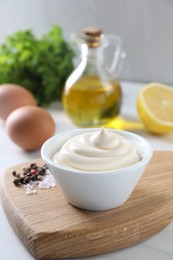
91	53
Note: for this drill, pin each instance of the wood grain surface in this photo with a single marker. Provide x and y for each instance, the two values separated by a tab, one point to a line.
51	228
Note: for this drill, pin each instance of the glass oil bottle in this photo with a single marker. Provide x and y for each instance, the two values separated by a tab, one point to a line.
92	95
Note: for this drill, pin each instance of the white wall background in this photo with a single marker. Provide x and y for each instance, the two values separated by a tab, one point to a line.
145	25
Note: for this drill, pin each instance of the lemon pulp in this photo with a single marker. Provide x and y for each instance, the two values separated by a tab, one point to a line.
155	107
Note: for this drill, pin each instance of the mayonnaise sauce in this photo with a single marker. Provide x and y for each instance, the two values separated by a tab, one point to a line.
97	151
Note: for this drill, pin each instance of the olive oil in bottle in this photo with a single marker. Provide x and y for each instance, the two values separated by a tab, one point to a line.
92	101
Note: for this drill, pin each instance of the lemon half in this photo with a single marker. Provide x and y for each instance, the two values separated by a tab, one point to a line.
155	107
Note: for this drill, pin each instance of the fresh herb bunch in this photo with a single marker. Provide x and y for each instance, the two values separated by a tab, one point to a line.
40	65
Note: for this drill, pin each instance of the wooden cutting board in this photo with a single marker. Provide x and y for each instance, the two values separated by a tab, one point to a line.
51	228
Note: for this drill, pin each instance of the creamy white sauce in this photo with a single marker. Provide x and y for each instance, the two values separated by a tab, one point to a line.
97	151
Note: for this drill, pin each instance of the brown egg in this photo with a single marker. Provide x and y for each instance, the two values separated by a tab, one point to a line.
30	126
13	96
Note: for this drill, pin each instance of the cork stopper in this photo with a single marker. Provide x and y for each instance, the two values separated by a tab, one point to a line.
92	31
92	36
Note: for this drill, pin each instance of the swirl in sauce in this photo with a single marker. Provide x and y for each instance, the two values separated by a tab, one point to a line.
97	151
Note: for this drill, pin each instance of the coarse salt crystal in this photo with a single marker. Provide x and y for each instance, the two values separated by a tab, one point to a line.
30	189
47	183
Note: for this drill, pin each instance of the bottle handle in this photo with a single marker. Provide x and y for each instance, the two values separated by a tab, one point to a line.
119	53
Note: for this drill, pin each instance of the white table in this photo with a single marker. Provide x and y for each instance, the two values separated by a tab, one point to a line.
159	246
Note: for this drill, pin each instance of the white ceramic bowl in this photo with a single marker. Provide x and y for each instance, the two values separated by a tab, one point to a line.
96	190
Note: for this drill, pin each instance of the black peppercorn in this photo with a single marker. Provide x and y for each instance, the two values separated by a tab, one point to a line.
14	173
18	175
16	182
33	178
29	174
42	171
33	166
27	179
22	180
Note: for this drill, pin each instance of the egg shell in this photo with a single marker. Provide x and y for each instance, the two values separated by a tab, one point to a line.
30	126
13	96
